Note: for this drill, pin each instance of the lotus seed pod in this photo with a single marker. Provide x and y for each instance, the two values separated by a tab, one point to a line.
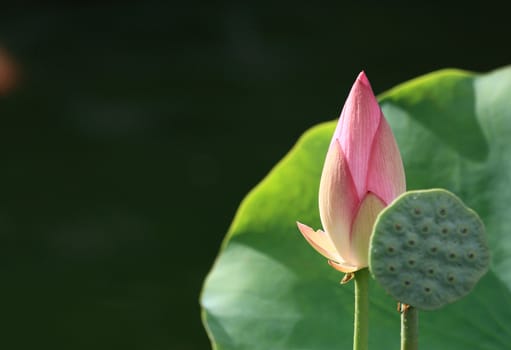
428	249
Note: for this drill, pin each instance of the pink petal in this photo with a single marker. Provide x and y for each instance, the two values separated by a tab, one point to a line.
386	176
320	241
338	200
369	209
343	267
357	126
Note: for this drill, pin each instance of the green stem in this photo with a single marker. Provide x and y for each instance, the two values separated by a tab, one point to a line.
410	329
361	334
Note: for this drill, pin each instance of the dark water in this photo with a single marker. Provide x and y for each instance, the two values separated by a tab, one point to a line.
136	129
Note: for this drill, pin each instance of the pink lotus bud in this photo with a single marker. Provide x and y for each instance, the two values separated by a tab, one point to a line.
363	173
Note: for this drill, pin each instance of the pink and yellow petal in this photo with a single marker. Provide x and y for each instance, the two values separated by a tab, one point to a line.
355	131
386	176
320	241
343	267
338	200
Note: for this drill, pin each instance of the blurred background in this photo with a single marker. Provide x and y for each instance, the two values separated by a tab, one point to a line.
131	131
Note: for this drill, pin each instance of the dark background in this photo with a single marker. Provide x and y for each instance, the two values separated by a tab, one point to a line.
133	131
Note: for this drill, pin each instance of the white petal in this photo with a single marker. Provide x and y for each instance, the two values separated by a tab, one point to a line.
369	209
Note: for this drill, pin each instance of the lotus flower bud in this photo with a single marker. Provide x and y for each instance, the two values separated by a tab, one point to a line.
363	172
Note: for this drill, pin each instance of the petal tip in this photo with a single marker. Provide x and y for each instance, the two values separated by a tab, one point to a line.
362	78
302	227
307	231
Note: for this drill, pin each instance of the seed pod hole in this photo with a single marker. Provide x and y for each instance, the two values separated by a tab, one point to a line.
442	212
427	290
407	283
445	230
425	229
417	211
411	262
398	227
